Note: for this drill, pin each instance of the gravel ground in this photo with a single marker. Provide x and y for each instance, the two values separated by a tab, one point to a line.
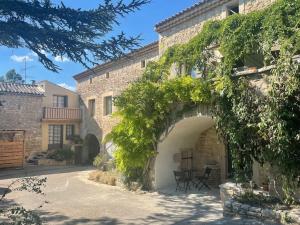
72	199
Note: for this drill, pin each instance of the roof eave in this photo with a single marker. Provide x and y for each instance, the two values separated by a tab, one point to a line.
146	49
188	14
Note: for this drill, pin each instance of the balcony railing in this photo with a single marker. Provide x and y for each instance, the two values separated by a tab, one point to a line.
51	113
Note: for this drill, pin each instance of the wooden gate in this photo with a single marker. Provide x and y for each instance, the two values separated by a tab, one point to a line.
11	149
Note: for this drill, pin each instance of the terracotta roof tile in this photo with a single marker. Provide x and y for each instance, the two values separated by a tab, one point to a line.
20	89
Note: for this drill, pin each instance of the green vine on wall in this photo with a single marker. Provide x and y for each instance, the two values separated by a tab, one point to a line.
256	126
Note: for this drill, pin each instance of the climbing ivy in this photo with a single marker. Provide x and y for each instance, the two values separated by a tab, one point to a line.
256	126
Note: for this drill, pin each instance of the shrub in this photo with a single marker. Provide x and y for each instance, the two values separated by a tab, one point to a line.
100	160
104	177
62	154
257	199
76	139
110	165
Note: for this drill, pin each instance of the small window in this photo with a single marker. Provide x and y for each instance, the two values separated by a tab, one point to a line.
143	63
60	101
108	105
233	9
91	80
107	75
70	131
91	107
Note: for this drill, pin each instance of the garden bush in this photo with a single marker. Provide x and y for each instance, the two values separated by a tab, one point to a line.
259	199
76	139
100	160
61	154
104	177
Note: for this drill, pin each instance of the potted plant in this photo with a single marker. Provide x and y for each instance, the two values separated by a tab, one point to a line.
265	185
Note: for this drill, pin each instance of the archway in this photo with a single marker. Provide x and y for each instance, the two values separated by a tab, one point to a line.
196	139
91	147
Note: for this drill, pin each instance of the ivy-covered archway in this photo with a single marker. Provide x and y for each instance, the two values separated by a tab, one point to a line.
196	137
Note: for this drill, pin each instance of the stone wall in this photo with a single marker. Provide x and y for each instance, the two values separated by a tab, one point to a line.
121	74
23	112
247	6
231	207
187	29
209	151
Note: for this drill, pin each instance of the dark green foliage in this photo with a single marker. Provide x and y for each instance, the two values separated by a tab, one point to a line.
76	139
63	31
257	200
61	154
11	76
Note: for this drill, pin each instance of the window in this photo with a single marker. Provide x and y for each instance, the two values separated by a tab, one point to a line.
91	107
233	9
107	75
108	105
91	80
143	63
55	134
60	101
70	131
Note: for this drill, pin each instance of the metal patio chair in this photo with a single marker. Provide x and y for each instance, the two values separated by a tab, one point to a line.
183	179
202	180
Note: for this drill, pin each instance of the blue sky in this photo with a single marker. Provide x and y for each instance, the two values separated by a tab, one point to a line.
141	22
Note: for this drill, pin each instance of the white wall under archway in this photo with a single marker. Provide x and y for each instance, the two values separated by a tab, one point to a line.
184	135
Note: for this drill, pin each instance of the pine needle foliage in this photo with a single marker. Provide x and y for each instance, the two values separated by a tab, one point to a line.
80	35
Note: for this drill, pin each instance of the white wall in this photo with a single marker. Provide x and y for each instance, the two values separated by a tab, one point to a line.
184	135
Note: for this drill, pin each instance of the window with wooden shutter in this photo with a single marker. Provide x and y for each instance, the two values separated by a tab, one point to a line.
108	105
91	107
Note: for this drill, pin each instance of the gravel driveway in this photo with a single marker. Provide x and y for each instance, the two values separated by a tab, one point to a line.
73	199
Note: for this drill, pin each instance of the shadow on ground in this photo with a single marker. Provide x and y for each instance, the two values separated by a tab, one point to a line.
40	171
72	201
56	218
177	209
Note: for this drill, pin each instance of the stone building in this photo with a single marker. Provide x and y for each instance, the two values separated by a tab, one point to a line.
21	110
49	115
193	142
197	132
97	88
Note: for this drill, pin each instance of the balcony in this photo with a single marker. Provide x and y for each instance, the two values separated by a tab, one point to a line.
61	114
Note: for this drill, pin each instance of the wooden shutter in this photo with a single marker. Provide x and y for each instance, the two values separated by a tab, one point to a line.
65	101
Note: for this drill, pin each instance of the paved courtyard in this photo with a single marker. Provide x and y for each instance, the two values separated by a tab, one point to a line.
73	199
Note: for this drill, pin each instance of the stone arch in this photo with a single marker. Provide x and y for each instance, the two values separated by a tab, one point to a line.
91	147
195	134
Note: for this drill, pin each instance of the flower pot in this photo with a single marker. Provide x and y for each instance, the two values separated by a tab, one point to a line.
265	187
